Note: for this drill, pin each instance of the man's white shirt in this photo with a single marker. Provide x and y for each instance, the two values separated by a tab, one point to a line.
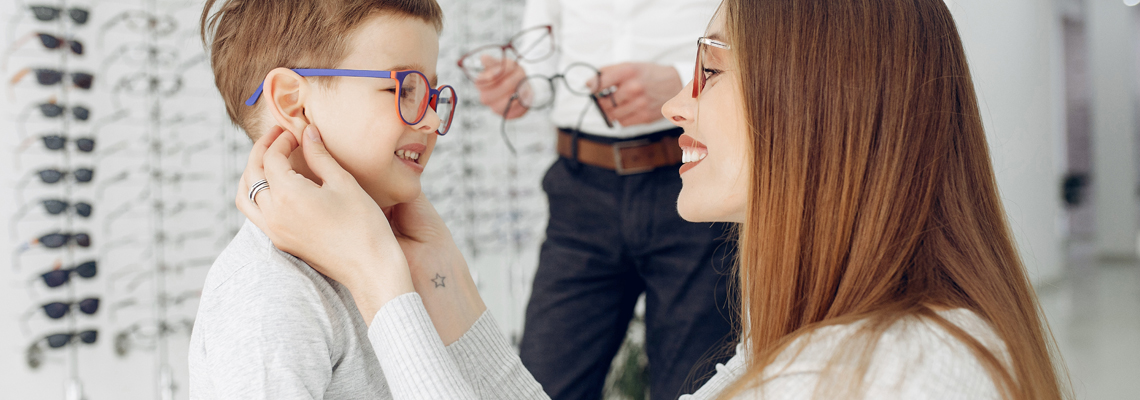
607	32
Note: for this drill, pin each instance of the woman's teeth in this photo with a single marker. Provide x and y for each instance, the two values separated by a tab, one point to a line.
693	154
408	155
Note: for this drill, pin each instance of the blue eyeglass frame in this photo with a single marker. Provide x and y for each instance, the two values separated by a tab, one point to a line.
433	94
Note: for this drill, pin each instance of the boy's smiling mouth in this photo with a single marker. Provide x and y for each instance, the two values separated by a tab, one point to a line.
410	154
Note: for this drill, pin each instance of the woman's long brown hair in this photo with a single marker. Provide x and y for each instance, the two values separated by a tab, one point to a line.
872	194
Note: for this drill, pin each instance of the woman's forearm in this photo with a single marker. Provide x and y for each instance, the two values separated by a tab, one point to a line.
377	281
449	294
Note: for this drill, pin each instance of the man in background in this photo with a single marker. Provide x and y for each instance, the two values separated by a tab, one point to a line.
614	231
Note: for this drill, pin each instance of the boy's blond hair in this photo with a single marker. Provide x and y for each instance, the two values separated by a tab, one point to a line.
249	38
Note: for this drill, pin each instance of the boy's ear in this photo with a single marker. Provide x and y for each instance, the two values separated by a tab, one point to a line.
285	94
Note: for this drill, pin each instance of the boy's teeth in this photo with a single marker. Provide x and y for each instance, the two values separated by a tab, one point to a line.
410	155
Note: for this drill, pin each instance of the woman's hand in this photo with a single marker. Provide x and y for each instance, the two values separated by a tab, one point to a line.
334	226
439	272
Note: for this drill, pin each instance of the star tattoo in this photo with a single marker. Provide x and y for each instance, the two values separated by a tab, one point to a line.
438	280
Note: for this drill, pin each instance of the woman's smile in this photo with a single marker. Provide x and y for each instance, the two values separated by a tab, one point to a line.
692	152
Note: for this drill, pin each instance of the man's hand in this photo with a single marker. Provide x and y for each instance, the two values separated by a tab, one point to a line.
497	83
642	88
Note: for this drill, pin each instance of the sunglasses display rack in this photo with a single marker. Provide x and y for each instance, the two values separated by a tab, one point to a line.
118	195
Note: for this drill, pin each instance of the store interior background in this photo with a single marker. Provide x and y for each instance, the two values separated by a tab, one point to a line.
1058	81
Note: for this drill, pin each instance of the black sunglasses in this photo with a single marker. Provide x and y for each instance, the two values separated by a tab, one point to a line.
82	175
63	339
57	142
57	240
59	277
58	310
52	110
54	42
56	207
49	76
50	13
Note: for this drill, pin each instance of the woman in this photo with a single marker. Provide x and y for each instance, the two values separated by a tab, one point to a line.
842	136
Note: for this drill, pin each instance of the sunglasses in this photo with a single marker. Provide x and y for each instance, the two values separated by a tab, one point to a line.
56	207
51	176
701	75
49	77
58	142
58	310
63	339
50	13
53	42
57	240
52	110
59	277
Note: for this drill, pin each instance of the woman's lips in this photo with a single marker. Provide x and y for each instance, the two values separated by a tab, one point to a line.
692	152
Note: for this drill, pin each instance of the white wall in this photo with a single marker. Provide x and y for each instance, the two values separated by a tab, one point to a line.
1112	65
1014	51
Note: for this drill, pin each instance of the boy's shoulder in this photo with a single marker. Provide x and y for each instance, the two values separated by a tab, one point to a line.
251	267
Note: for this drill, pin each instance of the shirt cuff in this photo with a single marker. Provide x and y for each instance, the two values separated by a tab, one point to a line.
490	364
410	352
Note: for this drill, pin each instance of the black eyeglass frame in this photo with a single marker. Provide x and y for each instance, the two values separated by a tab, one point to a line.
510	48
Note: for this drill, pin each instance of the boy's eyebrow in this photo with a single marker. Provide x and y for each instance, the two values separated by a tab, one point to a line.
433	79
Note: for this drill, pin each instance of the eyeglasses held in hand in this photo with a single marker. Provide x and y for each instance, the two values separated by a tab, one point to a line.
531	44
51	42
413	94
51	13
59	277
49	77
538	91
701	74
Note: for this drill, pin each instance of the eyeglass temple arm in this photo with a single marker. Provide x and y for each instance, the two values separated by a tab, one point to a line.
358	73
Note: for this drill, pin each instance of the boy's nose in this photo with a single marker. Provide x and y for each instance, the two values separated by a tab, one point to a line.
430	123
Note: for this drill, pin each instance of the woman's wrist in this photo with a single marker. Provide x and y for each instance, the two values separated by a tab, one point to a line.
378	280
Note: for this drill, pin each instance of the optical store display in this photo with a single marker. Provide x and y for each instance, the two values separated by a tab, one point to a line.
121	168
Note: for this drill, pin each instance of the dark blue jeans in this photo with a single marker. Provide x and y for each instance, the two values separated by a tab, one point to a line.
610	238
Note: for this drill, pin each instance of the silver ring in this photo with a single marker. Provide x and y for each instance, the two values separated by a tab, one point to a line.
257	187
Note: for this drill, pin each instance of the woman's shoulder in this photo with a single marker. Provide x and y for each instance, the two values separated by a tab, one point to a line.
914	358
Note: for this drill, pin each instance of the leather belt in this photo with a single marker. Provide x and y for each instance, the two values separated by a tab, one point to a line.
625	157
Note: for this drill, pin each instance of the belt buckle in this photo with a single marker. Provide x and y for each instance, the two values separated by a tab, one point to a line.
619	167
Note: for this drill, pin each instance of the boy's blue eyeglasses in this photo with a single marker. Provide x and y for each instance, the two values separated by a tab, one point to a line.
414	94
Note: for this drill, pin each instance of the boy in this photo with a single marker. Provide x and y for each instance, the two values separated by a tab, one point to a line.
269	326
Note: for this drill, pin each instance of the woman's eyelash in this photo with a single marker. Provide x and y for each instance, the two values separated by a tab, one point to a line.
709	72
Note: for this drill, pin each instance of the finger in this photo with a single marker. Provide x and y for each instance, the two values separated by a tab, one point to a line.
501	87
251	210
278	170
617	74
254	167
623	113
318	159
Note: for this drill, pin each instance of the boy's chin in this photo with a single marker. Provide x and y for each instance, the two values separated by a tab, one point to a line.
394	197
